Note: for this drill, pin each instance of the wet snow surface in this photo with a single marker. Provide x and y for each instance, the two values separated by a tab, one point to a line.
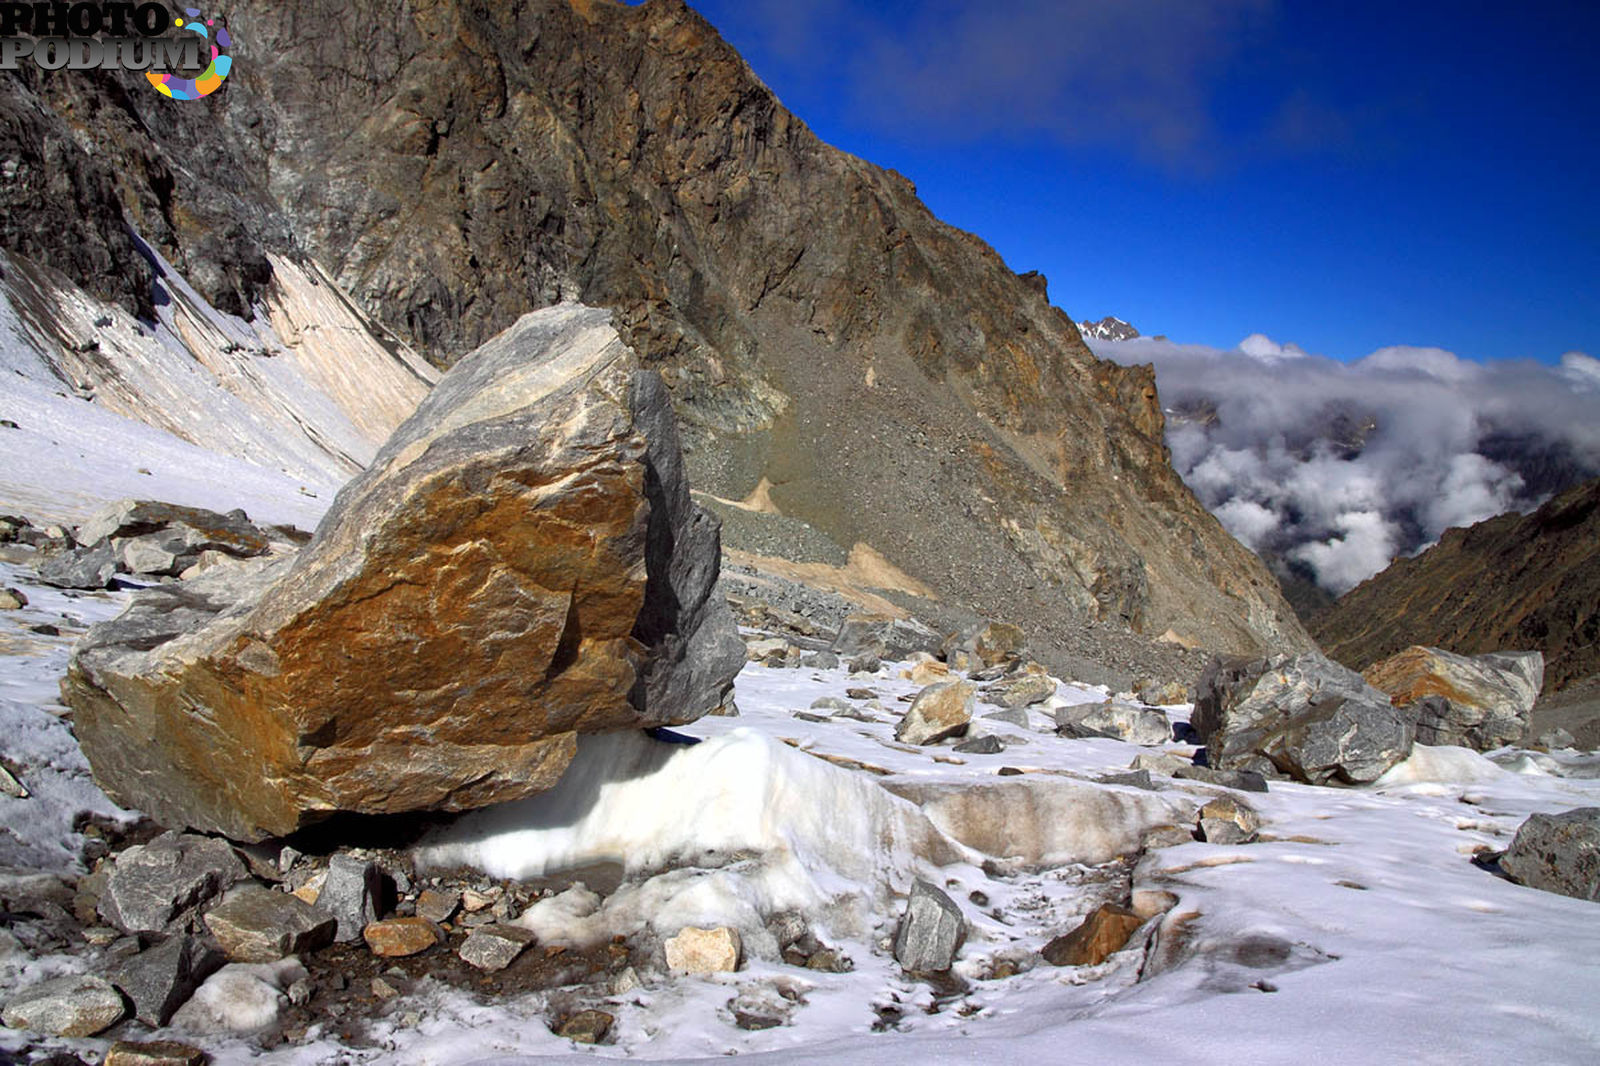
1357	927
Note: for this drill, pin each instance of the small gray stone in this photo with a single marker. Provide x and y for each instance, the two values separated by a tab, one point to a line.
160	979
984	745
1558	853
67	1006
436	905
494	947
1133	778
807	716
154	884
930	930
1017	716
350	895
820	660
12	599
831	704
1244	780
260	925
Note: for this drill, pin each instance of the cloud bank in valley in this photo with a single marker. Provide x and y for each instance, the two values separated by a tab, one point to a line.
1336	468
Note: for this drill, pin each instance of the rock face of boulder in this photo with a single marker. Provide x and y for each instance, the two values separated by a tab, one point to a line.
1558	853
1302	716
1480	701
520	563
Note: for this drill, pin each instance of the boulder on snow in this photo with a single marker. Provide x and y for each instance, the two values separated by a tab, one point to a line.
930	931
1033	685
1121	721
1481	702
884	637
990	643
1302	716
941	710
1099	936
520	563
66	1006
1558	853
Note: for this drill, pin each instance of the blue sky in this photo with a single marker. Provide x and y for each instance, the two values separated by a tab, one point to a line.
1340	176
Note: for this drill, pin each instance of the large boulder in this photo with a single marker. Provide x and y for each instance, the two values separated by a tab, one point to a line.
1303	716
520	563
1558	853
1481	702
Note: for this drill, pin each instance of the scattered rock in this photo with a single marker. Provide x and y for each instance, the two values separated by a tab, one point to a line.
160	979
930	931
1558	853
861	693
1102	934
1133	778
1024	690
1165	836
1555	739
12	599
1226	821
154	884
820	660
437	906
396	938
494	947
441	641
260	925
1304	716
988	744
67	1006
939	711
1120	721
350	895
926	673
86	568
883	637
1016	716
10	786
1244	780
1481	702
696	950
1162	694
863	664
587	1027
153	1053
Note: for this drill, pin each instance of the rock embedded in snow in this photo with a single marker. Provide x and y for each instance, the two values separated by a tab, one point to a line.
1129	722
12	599
494	947
587	1027
930	931
989	744
1102	934
1243	780
76	1006
1481	702
520	563
1227	821
701	951
1304	716
153	1053
160	979
940	711
1023	690
260	925
152	885
1558	853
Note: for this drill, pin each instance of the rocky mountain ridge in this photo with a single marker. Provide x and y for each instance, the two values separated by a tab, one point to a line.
836	355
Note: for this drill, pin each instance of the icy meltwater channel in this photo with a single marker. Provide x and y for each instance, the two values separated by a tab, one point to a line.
1356	928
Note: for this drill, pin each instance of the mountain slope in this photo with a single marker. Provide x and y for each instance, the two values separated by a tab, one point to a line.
866	370
1512	582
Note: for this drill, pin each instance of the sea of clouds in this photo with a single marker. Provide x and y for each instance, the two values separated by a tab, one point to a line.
1337	468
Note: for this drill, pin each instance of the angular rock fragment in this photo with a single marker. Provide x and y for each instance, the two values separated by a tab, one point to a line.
1558	853
436	905
350	894
930	931
520	563
260	925
1102	934
1120	721
1481	702
696	950
494	947
66	1006
1024	690
989	744
1226	821
939	711
587	1027
883	637
160	979
153	884
1303	716
153	1053
396	938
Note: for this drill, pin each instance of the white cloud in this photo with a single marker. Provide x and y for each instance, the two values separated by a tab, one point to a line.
1339	467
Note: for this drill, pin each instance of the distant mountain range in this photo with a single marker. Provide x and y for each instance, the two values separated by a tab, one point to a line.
1109	328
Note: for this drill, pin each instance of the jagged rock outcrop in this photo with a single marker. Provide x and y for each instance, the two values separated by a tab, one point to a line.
520	563
885	376
1480	701
1513	581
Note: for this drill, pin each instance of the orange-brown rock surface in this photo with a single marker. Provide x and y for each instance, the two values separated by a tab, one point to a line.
520	563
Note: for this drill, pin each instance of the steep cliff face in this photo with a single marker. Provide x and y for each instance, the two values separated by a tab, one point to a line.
831	347
1514	582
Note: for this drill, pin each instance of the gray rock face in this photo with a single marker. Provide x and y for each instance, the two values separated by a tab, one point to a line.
66	1006
154	884
984	745
887	638
520	563
350	895
930	930
1121	721
492	948
1481	702
1302	716
160	979
260	925
87	568
1558	853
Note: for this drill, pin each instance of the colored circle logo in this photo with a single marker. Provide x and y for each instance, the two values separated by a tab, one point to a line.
210	79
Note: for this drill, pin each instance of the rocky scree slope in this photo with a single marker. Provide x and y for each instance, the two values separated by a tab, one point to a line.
1511	582
831	347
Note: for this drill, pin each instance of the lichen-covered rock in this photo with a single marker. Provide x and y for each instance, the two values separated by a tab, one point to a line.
1481	702
941	710
520	563
1558	853
1301	716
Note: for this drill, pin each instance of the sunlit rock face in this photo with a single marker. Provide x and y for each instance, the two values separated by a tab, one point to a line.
519	564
